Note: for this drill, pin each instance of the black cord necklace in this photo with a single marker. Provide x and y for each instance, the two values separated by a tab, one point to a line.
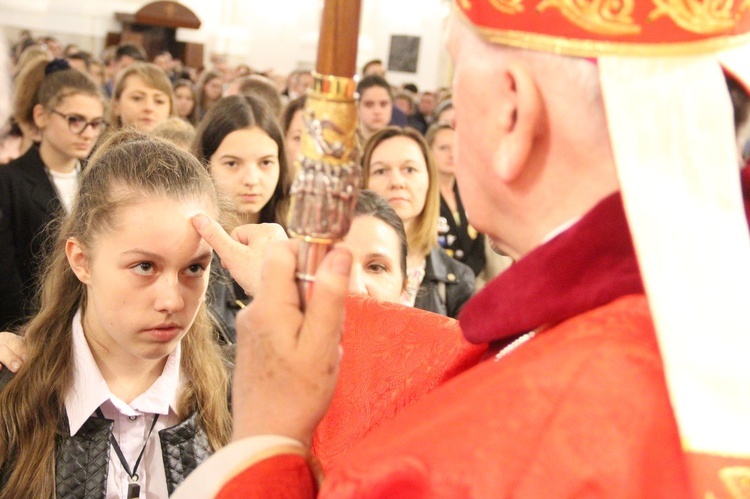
134	488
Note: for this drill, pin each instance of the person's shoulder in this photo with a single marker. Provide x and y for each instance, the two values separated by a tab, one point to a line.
23	165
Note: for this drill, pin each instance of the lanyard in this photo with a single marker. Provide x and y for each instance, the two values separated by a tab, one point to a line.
134	489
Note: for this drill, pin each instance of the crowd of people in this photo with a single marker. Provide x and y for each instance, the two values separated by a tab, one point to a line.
83	128
251	161
143	214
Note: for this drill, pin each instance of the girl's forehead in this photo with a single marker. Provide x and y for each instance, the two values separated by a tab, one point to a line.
154	221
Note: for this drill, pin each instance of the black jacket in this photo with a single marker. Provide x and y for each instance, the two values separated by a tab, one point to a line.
28	202
456	237
82	461
224	299
446	286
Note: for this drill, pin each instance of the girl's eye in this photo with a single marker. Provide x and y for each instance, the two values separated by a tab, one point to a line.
378	171
144	268
230	164
267	163
195	270
410	169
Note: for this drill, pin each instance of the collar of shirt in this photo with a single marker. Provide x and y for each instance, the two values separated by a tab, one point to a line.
90	390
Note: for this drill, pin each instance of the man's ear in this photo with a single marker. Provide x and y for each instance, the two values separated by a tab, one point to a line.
520	117
40	117
78	260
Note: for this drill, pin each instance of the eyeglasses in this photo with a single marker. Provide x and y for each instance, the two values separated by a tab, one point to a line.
77	124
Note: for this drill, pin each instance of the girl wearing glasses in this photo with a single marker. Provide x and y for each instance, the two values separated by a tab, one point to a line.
66	107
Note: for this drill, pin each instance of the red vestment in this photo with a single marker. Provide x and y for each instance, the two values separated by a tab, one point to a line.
582	409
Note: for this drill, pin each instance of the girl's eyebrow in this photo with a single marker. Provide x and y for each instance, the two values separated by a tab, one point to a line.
204	255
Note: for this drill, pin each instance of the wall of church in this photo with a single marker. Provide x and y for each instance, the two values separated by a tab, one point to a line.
278	34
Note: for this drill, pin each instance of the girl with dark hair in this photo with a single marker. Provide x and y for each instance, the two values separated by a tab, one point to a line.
124	390
293	124
377	241
68	110
241	144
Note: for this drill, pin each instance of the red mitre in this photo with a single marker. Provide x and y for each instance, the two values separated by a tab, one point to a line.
591	28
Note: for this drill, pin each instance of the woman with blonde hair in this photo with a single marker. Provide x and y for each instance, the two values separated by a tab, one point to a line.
124	390
398	165
25	83
142	97
456	235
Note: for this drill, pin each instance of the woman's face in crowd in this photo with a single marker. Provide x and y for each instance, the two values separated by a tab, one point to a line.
184	102
213	89
246	168
73	111
145	278
293	137
376	252
142	106
398	172
442	151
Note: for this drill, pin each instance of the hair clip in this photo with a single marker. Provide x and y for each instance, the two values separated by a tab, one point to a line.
56	65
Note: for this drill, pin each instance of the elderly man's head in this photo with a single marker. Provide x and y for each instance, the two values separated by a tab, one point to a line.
531	139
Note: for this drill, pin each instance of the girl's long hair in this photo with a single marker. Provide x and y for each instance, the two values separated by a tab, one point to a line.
127	168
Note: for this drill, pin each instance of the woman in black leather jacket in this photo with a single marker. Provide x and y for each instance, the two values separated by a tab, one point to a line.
398	165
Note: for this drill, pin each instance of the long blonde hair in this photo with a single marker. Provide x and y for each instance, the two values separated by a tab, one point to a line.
33	419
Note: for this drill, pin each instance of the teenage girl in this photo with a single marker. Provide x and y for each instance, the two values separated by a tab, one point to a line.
68	110
124	390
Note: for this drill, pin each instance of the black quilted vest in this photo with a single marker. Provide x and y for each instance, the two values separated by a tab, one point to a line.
82	461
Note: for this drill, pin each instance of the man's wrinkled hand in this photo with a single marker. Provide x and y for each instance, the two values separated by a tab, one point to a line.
241	252
287	360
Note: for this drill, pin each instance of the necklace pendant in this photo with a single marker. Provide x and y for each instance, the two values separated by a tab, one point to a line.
134	491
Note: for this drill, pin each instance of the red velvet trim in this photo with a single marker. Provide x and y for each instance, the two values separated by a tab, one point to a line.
589	265
286	476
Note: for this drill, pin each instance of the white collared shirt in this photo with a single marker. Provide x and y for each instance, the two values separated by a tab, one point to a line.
131	421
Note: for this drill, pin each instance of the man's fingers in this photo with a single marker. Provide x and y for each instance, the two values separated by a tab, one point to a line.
278	274
215	236
325	309
247	234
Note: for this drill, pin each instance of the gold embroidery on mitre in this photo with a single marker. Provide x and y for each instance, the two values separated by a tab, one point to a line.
697	16
737	481
508	6
607	17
